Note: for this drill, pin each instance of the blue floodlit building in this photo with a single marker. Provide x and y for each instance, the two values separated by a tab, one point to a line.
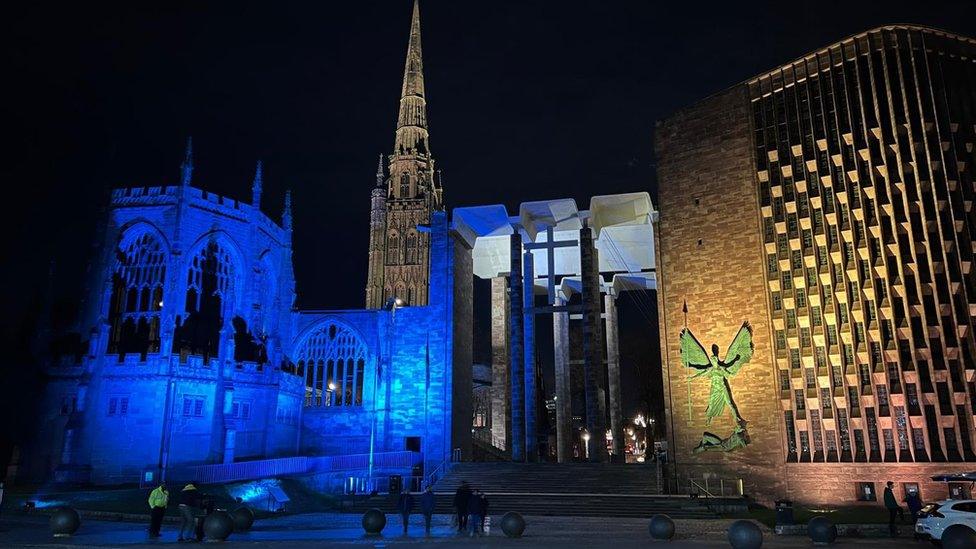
195	355
192	354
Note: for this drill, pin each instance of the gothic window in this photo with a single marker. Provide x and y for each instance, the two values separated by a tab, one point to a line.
209	287
393	248
404	185
137	295
411	245
335	359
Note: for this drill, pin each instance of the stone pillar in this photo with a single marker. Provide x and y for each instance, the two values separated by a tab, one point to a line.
501	412
516	357
564	400
596	423
613	376
528	342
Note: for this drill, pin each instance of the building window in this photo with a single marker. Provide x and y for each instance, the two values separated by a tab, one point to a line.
795	359
404	185
137	294
193	406
780	339
69	404
777	301
866	492
240	410
118	406
336	359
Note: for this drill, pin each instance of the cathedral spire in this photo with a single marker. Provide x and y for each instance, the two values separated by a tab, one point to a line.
186	168
256	187
379	172
411	133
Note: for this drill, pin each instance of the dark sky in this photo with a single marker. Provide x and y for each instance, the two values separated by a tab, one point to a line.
527	100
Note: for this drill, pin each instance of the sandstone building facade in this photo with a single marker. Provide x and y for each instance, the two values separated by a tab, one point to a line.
830	203
399	253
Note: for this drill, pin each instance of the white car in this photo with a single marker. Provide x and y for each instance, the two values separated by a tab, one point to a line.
935	518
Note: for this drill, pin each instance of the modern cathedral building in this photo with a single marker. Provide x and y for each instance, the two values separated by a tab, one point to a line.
828	202
193	354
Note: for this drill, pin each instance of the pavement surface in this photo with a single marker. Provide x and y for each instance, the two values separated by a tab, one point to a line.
344	530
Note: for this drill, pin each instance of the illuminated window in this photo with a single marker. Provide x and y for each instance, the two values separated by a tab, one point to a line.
340	356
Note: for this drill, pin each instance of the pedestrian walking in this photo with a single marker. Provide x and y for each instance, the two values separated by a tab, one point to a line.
428	502
474	513
405	506
461	498
189	502
893	508
158	500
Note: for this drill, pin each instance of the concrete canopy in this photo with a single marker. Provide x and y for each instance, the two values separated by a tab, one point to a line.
622	225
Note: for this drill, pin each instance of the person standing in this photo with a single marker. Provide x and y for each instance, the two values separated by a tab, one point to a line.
893	508
158	500
428	502
461	498
914	504
483	500
189	501
474	513
405	506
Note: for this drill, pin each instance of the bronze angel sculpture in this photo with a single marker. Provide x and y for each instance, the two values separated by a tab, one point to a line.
718	371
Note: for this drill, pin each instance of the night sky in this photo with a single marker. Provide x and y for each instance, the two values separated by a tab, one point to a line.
526	100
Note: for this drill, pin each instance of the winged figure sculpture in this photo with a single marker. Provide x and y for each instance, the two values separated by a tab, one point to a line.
719	371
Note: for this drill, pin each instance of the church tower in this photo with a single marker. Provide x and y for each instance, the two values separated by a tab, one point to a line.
405	196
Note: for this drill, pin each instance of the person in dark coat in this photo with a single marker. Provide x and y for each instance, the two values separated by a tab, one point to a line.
893	508
914	504
475	513
428	502
189	503
461	498
484	509
405	506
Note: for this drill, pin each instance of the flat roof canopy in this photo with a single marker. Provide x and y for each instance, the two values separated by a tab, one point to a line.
622	225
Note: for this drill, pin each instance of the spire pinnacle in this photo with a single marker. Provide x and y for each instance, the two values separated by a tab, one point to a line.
379	172
257	186
411	133
186	168
413	72
286	215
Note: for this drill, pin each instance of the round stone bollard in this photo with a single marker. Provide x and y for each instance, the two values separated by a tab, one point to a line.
64	522
958	536
218	525
744	534
661	528
373	522
243	519
513	524
822	531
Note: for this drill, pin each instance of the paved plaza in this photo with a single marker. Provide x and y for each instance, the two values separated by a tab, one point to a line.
343	530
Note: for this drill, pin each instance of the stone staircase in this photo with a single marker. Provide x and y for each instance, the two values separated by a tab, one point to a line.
573	489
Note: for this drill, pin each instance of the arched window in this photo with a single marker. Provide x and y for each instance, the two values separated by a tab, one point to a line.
340	358
404	185
209	287
411	246
137	295
393	248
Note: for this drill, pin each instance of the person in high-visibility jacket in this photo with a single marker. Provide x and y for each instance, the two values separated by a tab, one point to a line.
158	499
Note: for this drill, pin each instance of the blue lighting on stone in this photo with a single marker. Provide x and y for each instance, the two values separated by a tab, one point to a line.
192	358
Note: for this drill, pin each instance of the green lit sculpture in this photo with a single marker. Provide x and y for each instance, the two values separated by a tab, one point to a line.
693	355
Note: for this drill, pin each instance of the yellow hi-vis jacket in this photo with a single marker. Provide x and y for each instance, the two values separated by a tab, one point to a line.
158	497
